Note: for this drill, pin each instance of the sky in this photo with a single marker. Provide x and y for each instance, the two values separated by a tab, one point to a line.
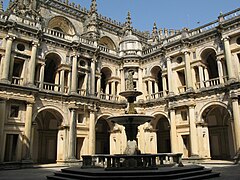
171	14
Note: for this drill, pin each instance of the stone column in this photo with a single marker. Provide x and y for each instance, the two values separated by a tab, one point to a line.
206	75
72	136
92	133
201	76
27	132
32	65
228	57
74	75
169	74
122	80
188	72
236	119
99	86
156	87
56	86
164	81
149	88
69	80
7	61
62	77
193	131
220	70
3	118
41	78
107	88
173	131
93	76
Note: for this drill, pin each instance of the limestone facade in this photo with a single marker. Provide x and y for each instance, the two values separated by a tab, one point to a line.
62	68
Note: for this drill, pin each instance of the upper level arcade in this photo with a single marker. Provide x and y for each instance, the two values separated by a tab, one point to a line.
53	53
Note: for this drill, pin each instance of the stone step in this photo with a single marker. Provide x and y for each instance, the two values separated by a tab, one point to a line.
192	172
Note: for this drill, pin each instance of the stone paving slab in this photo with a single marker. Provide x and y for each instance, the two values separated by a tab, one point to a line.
230	171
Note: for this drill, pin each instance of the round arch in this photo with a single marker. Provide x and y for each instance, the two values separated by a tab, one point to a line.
47	144
103	128
216	119
49	107
213	103
162	125
62	24
107	42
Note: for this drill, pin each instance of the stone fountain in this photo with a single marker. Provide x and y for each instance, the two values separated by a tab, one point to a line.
133	164
131	119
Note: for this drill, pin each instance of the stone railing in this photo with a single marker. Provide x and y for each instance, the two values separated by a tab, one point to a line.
51	87
203	28
142	161
230	14
211	82
64	36
17	80
82	92
109	97
182	89
105	49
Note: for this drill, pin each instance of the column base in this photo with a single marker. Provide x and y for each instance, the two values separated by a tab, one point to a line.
171	94
72	162
5	81
189	90
232	80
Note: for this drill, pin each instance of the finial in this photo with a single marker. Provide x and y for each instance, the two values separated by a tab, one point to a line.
1	6
93	7
154	27
129	22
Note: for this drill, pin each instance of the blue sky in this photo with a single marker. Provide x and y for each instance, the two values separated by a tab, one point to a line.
172	14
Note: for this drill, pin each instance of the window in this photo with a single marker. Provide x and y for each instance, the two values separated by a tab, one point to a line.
80	118
21	47
82	63
184	115
14	111
179	60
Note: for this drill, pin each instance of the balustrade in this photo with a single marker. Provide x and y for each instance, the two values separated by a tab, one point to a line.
82	92
145	161
17	80
182	89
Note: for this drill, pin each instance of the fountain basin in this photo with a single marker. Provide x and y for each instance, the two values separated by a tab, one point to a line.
131	119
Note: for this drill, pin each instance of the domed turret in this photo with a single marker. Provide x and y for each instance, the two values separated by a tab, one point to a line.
130	44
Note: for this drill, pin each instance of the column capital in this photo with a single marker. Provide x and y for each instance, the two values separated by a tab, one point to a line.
168	58
186	52
35	43
191	106
10	37
234	96
225	38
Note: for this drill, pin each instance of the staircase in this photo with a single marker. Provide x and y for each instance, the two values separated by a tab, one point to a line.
180	173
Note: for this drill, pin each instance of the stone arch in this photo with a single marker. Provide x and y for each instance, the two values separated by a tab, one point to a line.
208	56
213	103
162	125
156	73
49	107
61	24
216	120
103	129
106	74
53	60
107	42
47	144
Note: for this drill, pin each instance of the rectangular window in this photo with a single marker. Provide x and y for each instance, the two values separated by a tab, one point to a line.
184	115
80	118
14	111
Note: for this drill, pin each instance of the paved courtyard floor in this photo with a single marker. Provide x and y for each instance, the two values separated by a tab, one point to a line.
228	171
